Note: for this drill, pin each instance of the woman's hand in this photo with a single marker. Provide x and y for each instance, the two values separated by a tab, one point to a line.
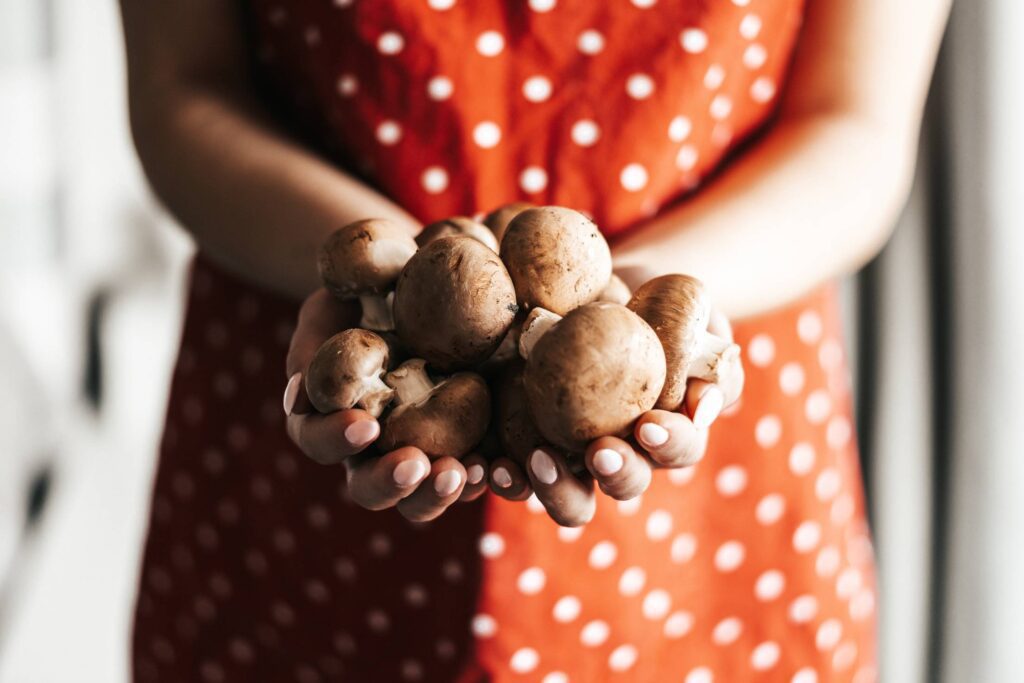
622	468
405	478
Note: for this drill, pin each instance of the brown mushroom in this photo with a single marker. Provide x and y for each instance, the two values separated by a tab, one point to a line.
346	372
593	374
457	225
516	431
557	258
537	323
449	418
678	309
499	219
362	261
454	303
617	291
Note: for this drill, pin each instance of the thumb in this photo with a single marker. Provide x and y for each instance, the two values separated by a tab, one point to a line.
320	317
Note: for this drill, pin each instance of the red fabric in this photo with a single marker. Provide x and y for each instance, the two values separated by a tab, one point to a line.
754	565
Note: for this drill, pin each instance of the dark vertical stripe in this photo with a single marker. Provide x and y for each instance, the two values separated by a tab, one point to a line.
868	291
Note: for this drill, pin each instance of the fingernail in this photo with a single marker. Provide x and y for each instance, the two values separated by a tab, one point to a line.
409	473
362	432
653	434
446	483
291	392
475	474
607	461
543	467
501	477
708	408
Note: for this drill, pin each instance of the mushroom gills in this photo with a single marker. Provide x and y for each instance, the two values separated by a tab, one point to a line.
715	358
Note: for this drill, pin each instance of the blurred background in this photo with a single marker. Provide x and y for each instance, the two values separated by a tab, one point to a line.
91	289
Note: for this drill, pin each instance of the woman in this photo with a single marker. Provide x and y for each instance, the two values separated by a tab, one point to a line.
754	565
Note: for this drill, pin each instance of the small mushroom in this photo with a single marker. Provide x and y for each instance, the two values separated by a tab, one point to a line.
447	418
454	303
346	371
617	291
593	374
499	219
362	261
517	433
557	259
678	309
537	323
457	225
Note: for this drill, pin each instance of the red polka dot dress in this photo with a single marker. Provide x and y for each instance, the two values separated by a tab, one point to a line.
755	565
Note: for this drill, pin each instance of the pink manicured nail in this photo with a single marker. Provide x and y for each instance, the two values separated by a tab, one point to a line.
362	432
475	474
708	408
447	482
501	477
607	461
409	473
543	467
653	434
291	392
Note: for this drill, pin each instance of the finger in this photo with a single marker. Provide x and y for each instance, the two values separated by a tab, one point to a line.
476	477
703	402
378	482
329	439
619	470
508	480
568	499
438	491
320	317
670	439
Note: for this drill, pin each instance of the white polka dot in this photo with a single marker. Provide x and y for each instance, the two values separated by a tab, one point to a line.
632	581
585	132
722	133
603	554
848	582
487	134
594	633
842	509
531	581
440	88
809	327
727	631
441	4
866	674
806	537
750	26
838	432
770	509
755	56
389	132
845	656
566	609
761	350
818	406
686	158
590	42
537	88
639	86
390	43
859	550
630	507
416	595
714	77
435	180
659	525
555	677
828	484
682	475
633	178
803	609
731	480
721	107
491	545
684	546
827	563
768	431
769	585
484	626
312	36
490	43
764	656
801	458
542	5
828	634
656	604
678	624
411	671
569	534
729	556
693	40
622	658
805	675
830	354
791	379
762	90
347	85
862	604
533	179
700	674
679	128
524	660
452	570
378	621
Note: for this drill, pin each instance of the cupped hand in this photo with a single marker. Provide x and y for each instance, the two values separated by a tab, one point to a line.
622	468
405	478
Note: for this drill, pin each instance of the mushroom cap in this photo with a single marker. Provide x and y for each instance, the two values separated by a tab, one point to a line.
593	374
557	258
677	309
517	433
450	420
457	225
499	219
617	291
454	303
346	370
364	257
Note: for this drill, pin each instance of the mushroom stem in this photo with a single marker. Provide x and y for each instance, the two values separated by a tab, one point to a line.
535	326
377	312
376	395
410	381
716	358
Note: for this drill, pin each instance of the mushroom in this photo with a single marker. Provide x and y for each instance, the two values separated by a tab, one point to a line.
517	433
362	261
537	323
447	418
457	225
454	303
499	219
593	374
678	309
617	291
557	259
346	372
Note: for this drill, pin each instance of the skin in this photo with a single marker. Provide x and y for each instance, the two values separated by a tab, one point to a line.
261	204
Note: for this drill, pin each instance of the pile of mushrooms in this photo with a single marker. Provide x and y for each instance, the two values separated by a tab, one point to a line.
520	313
